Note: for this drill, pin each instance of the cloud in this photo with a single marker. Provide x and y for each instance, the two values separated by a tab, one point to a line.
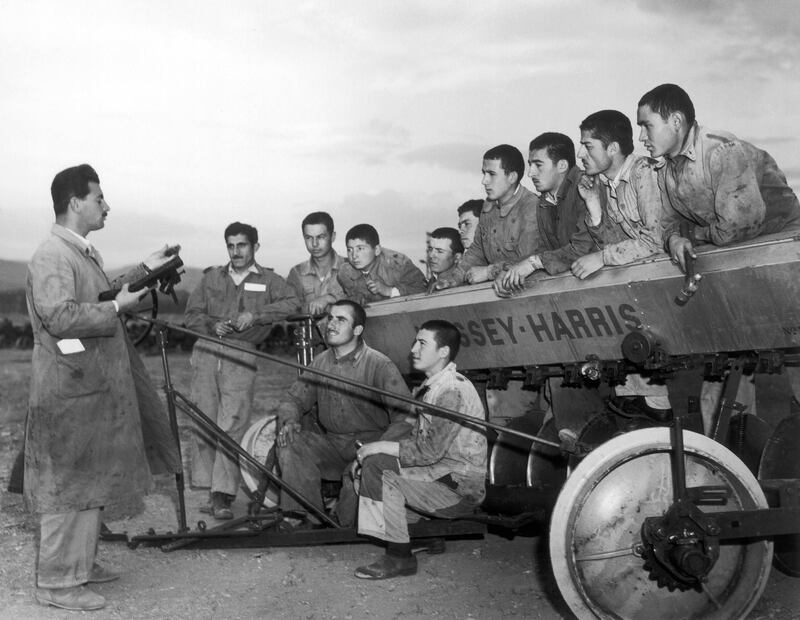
458	156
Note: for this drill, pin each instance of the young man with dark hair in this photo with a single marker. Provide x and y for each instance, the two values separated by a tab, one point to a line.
444	251
621	193
373	273
468	215
560	212
96	428
716	188
315	281
623	207
236	303
507	230
347	415
439	469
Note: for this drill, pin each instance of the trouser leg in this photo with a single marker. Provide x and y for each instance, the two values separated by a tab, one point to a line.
236	385
67	548
304	463
205	394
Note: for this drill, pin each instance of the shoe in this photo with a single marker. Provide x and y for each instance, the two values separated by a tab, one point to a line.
77	598
220	507
636	406
387	567
431	546
100	574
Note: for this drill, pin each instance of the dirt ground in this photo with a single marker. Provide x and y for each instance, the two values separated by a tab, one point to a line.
493	577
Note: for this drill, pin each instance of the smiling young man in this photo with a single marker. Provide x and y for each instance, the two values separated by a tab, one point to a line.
238	303
347	415
507	230
373	273
439	469
560	212
315	280
717	188
444	252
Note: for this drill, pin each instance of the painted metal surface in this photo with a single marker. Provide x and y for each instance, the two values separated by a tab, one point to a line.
748	299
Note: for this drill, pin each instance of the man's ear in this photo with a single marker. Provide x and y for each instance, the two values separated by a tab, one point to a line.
562	165
358	330
333	237
443	352
255	247
378	250
513	177
677	119
612	148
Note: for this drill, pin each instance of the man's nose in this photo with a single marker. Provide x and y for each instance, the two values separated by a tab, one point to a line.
642	135
581	152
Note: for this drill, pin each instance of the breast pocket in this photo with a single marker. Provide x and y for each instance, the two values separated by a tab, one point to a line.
80	374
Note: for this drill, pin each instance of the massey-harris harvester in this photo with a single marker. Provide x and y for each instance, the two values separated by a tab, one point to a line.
646	520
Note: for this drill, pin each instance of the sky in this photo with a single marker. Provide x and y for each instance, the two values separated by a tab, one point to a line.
199	113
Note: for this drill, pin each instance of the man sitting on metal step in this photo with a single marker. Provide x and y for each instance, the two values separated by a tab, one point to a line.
438	470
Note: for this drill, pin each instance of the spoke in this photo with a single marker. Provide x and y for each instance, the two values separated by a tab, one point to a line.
605	555
711	596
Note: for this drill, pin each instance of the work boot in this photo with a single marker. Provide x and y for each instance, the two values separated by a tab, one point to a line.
77	598
387	567
636	406
100	574
221	506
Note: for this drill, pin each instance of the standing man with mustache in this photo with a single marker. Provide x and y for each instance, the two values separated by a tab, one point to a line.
348	416
237	303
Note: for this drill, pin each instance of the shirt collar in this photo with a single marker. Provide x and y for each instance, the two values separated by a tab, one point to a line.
623	174
251	269
689	150
87	249
354	355
447	370
308	269
510	204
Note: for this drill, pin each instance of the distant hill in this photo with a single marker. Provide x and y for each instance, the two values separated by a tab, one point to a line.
12	287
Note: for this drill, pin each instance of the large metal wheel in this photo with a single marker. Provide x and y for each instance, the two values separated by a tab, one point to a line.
597	520
259	441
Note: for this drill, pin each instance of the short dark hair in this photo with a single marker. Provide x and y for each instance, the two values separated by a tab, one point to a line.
668	98
359	316
445	334
238	228
475	206
558	147
511	160
610	126
71	183
452	235
364	232
318	217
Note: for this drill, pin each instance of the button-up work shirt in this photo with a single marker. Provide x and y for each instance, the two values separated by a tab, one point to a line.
630	227
217	298
562	226
439	445
729	188
394	269
346	410
308	284
506	233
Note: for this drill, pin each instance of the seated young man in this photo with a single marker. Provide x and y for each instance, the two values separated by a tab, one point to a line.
716	188
373	273
444	251
439	469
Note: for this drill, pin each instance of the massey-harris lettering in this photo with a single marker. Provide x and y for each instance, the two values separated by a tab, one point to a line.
570	324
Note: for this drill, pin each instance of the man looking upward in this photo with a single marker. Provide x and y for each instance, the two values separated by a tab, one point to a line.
315	280
236	303
716	188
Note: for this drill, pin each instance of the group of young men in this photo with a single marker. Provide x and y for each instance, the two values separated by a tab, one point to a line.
93	431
